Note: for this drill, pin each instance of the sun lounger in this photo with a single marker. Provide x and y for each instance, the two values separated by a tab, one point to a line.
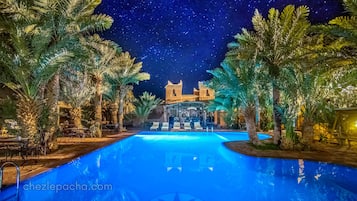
155	126
165	126
197	126
177	126
187	126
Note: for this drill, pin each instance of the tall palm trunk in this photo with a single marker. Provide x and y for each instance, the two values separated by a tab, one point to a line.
76	115
276	115
289	139
308	131
52	97
114	113
249	116
122	94
28	111
257	116
98	104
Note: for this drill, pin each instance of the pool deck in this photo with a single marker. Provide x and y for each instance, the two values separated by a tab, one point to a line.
71	148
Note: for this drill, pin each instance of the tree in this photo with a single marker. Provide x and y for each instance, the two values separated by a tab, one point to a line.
111	94
144	105
344	29
70	20
31	64
77	91
101	61
60	24
124	75
236	80
279	42
226	104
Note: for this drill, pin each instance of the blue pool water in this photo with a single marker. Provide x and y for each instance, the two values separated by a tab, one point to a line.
169	166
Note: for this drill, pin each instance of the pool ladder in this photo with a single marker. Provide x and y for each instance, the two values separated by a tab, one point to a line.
17	176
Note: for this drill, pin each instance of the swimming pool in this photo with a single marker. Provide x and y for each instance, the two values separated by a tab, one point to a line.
183	166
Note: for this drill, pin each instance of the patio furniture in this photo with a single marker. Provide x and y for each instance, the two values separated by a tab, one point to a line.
177	126
108	126
76	132
187	126
155	126
165	126
345	126
14	146
197	126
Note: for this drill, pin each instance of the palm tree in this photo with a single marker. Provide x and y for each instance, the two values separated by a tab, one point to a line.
278	43
70	20
237	80
77	91
31	65
101	61
61	23
111	94
226	104
289	106
125	74
144	105
129	100
344	29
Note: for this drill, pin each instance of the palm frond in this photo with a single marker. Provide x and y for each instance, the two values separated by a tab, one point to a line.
95	23
346	22
351	6
145	104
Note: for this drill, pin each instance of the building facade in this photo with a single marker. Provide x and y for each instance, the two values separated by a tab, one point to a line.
190	107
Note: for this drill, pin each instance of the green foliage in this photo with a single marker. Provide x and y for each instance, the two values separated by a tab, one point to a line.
77	90
102	55
225	104
266	146
43	118
236	81
266	117
145	104
7	108
111	93
126	71
279	38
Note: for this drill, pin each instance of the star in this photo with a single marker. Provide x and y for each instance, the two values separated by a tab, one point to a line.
180	40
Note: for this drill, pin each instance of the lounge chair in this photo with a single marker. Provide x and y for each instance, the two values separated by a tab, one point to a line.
187	126
165	126
177	126
155	126
197	126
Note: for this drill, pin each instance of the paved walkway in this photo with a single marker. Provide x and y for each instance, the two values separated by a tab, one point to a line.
70	148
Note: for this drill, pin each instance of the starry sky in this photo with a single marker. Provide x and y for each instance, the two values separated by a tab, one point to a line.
181	39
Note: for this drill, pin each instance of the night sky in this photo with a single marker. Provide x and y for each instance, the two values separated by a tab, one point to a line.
180	39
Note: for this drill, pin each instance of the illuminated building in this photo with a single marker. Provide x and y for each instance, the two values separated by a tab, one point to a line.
190	107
